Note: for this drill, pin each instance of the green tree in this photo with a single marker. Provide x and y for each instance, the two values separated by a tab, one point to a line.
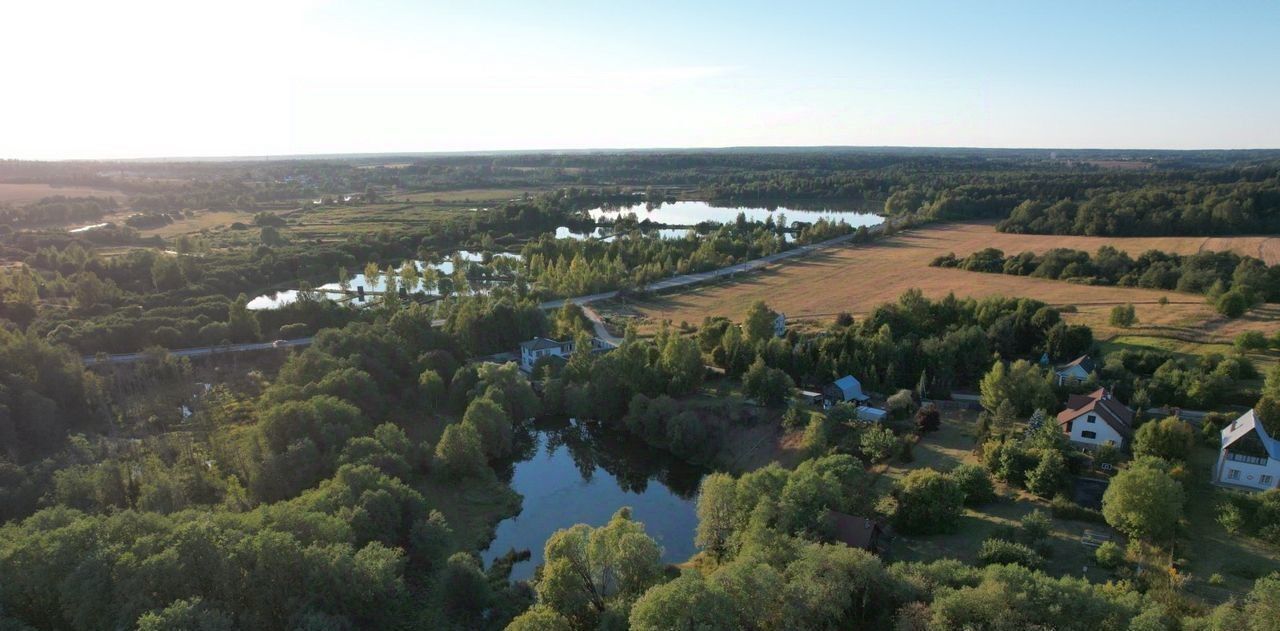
687	602
758	324
587	570
186	615
682	362
1123	316
1049	476
928	502
1145	502
459	452
1171	439
1021	383
878	443
492	425
540	618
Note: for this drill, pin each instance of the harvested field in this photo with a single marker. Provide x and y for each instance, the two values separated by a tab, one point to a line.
18	194
856	278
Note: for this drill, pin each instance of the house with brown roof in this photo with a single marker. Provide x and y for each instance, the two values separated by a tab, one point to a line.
1095	419
856	532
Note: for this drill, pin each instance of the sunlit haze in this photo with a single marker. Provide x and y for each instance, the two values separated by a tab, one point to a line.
89	79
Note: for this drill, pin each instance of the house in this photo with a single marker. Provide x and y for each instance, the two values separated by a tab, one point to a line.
810	397
843	390
780	325
856	532
1095	419
1247	456
1076	372
869	414
541	347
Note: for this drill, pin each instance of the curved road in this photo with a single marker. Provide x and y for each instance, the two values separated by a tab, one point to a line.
672	282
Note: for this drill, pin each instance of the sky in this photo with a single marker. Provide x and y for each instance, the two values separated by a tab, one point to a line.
159	78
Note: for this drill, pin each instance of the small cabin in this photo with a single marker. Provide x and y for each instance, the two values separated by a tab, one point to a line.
854	531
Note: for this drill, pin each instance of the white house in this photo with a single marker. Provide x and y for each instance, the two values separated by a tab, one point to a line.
869	414
780	325
1247	456
1077	371
1095	419
540	347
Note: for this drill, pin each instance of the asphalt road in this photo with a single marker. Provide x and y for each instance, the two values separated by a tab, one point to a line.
661	285
127	358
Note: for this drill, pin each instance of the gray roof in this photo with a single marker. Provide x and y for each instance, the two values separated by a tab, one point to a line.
851	388
1243	425
541	343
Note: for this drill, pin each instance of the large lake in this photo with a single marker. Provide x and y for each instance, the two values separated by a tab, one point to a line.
689	213
575	474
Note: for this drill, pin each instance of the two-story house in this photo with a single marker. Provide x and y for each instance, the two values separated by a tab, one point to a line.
1095	419
1248	457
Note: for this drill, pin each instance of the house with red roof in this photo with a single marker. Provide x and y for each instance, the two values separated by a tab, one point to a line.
1095	419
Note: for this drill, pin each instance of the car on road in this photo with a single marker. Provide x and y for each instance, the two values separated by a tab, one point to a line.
279	343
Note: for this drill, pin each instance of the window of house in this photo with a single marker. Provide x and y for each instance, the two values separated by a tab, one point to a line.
1088	434
1233	474
1092	419
1266	480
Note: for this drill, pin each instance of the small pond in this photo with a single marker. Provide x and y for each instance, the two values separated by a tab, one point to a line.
689	213
377	284
575	473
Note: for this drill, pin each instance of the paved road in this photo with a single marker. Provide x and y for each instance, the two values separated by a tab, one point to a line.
672	282
128	358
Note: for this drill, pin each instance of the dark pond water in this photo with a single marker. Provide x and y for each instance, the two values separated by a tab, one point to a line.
578	474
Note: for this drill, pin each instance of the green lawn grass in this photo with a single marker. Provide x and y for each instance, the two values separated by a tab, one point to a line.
1207	548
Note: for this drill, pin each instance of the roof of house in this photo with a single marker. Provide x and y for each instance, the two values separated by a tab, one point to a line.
540	343
1242	426
854	531
1084	362
1113	412
850	388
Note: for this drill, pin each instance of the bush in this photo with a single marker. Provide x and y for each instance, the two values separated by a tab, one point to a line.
1251	341
1109	555
1049	476
976	484
1123	316
1170	439
878	443
999	551
928	502
1035	526
1063	508
1232	304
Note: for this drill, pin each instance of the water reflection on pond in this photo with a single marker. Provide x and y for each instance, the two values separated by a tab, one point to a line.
574	473
689	213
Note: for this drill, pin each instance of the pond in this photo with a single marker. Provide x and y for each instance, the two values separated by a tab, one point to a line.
576	473
689	213
377	285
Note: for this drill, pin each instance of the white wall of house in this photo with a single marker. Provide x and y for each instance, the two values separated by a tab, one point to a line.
528	358
1248	474
1093	432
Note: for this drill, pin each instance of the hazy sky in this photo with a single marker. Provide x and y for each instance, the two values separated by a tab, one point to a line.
129	78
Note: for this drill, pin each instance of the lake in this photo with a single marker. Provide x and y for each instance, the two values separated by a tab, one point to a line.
571	473
689	213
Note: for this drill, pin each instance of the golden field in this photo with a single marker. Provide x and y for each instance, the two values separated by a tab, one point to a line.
856	278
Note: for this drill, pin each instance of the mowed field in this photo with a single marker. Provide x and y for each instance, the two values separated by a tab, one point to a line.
857	278
19	194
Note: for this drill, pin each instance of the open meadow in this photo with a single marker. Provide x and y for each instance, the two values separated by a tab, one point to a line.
18	194
855	279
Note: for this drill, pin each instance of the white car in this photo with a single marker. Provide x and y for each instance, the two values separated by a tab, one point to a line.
280	343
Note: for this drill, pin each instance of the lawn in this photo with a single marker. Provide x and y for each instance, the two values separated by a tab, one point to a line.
856	278
1207	548
952	445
